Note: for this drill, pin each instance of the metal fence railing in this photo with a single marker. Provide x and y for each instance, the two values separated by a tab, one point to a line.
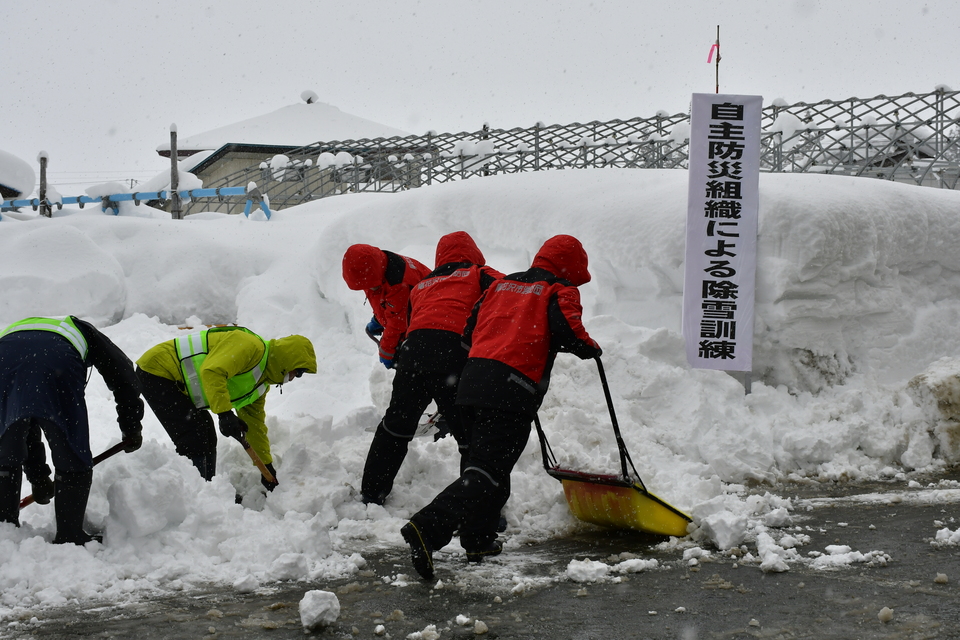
396	164
252	198
911	138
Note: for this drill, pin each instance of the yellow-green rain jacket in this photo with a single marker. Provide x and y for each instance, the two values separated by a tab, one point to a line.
232	353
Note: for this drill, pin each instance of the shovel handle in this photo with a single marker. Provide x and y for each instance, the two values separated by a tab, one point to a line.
112	451
624	456
257	461
549	460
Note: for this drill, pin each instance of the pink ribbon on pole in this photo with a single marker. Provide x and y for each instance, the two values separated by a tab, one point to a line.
713	47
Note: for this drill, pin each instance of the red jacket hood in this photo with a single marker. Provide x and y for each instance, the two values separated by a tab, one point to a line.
364	266
563	256
458	247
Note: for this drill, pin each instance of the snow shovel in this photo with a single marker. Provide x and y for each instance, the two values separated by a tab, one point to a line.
616	501
112	451
256	460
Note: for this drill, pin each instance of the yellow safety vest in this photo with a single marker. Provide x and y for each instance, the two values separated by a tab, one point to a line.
243	388
62	326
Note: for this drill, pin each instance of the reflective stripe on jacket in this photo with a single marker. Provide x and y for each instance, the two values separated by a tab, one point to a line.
244	388
63	326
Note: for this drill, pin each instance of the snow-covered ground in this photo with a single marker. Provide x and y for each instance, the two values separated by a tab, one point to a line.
858	295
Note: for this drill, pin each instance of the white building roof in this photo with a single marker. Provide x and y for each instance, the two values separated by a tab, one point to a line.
16	174
295	125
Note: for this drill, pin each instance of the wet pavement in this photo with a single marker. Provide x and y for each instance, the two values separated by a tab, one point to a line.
526	593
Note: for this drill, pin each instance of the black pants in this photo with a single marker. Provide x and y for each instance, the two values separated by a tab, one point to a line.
190	428
473	501
21	444
18	447
412	392
29	449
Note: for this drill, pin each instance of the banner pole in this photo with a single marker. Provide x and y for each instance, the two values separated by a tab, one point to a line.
717	67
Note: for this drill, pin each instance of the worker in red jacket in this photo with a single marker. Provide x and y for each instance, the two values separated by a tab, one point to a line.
386	278
430	359
515	332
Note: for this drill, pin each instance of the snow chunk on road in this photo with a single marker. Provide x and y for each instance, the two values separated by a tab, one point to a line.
587	570
635	565
946	538
773	557
289	566
841	555
429	633
318	609
725	528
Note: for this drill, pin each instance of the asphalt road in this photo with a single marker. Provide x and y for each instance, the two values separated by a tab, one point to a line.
719	598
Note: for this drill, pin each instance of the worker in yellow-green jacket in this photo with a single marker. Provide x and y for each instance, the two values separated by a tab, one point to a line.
220	369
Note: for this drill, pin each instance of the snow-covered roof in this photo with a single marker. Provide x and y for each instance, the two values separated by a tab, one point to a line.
295	125
16	176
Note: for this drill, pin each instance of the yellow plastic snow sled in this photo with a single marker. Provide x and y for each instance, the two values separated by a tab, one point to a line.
617	501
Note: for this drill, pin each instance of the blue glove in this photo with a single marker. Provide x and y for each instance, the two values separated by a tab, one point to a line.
388	363
374	328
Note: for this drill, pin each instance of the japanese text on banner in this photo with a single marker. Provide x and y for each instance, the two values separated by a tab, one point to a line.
721	239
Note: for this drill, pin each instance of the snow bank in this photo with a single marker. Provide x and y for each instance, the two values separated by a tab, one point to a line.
858	293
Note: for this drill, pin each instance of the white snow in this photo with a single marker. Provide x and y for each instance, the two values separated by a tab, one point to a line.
635	565
16	174
318	609
429	633
295	125
587	570
858	293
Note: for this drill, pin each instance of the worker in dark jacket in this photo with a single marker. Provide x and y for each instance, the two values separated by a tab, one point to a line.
430	359
386	278
43	373
515	332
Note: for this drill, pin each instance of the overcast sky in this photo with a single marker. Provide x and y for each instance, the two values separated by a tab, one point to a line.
97	83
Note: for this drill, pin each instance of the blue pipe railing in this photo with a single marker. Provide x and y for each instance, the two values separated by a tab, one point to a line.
111	202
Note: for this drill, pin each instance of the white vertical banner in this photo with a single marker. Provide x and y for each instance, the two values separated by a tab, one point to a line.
720	263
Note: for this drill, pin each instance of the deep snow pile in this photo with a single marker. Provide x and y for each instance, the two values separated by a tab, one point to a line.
858	292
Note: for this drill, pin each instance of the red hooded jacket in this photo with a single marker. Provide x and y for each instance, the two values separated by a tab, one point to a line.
441	303
445	297
519	326
386	278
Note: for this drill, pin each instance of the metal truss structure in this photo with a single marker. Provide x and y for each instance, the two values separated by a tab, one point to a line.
911	138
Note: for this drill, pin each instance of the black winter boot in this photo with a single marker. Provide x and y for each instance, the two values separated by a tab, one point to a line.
10	479
492	549
421	554
70	505
206	464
